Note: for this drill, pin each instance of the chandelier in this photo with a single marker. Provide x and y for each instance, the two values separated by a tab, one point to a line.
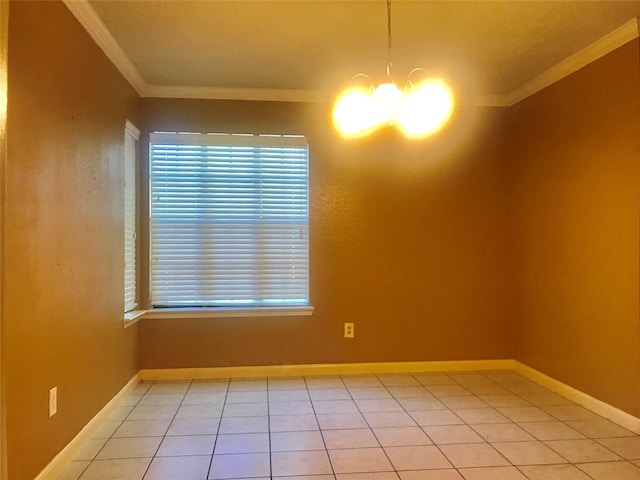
418	109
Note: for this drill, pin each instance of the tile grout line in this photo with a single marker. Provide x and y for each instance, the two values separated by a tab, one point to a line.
215	441
315	414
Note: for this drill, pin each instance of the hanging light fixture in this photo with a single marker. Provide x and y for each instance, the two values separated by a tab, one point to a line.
418	110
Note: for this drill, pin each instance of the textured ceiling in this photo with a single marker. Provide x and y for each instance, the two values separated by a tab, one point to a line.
494	46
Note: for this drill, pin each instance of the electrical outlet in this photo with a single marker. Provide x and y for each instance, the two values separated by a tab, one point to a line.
53	401
348	330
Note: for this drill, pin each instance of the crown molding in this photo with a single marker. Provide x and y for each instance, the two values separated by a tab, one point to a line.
92	23
216	93
607	44
89	19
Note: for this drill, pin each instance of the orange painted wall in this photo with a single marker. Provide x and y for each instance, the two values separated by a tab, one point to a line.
407	240
574	160
63	232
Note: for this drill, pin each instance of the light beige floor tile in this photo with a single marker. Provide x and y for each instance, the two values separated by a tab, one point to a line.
409	391
444	474
289	383
156	412
244	465
157	400
529	453
611	470
600	428
209	386
627	447
194	426
446	434
242	443
502	432
73	470
293	423
90	449
389	419
334	406
329	394
465	401
200	398
492	473
291	408
471	379
397	379
352	438
401	436
178	468
169	387
570	412
416	458
304	477
120	414
312	462
129	448
473	455
448	390
187	445
361	381
338	421
378	405
130	400
107	429
368	476
508	400
436	417
523	388
526	414
142	428
296	441
324	382
551	431
246	397
545	399
434	379
245	410
288	395
120	469
242	385
424	403
211	410
487	389
505	377
142	388
360	460
553	472
369	393
582	451
474	416
230	425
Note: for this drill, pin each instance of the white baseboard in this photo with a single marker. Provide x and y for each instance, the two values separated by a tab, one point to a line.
60	461
603	409
323	369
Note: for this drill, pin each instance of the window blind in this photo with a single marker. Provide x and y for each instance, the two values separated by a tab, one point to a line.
131	134
229	220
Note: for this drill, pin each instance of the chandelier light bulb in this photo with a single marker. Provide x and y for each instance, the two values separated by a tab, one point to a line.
353	113
426	109
385	102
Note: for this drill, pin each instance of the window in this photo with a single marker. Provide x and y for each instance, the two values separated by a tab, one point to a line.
131	135
229	220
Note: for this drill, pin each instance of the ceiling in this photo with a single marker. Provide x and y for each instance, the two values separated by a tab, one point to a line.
484	47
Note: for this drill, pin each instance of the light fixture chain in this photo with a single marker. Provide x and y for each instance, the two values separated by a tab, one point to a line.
388	38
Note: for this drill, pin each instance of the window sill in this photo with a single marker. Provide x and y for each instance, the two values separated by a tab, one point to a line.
132	317
162	313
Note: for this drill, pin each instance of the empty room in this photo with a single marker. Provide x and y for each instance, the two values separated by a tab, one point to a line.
319	240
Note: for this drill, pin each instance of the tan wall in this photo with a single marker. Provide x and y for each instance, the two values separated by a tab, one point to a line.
407	240
574	153
64	248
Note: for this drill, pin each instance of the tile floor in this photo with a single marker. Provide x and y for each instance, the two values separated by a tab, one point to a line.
428	426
